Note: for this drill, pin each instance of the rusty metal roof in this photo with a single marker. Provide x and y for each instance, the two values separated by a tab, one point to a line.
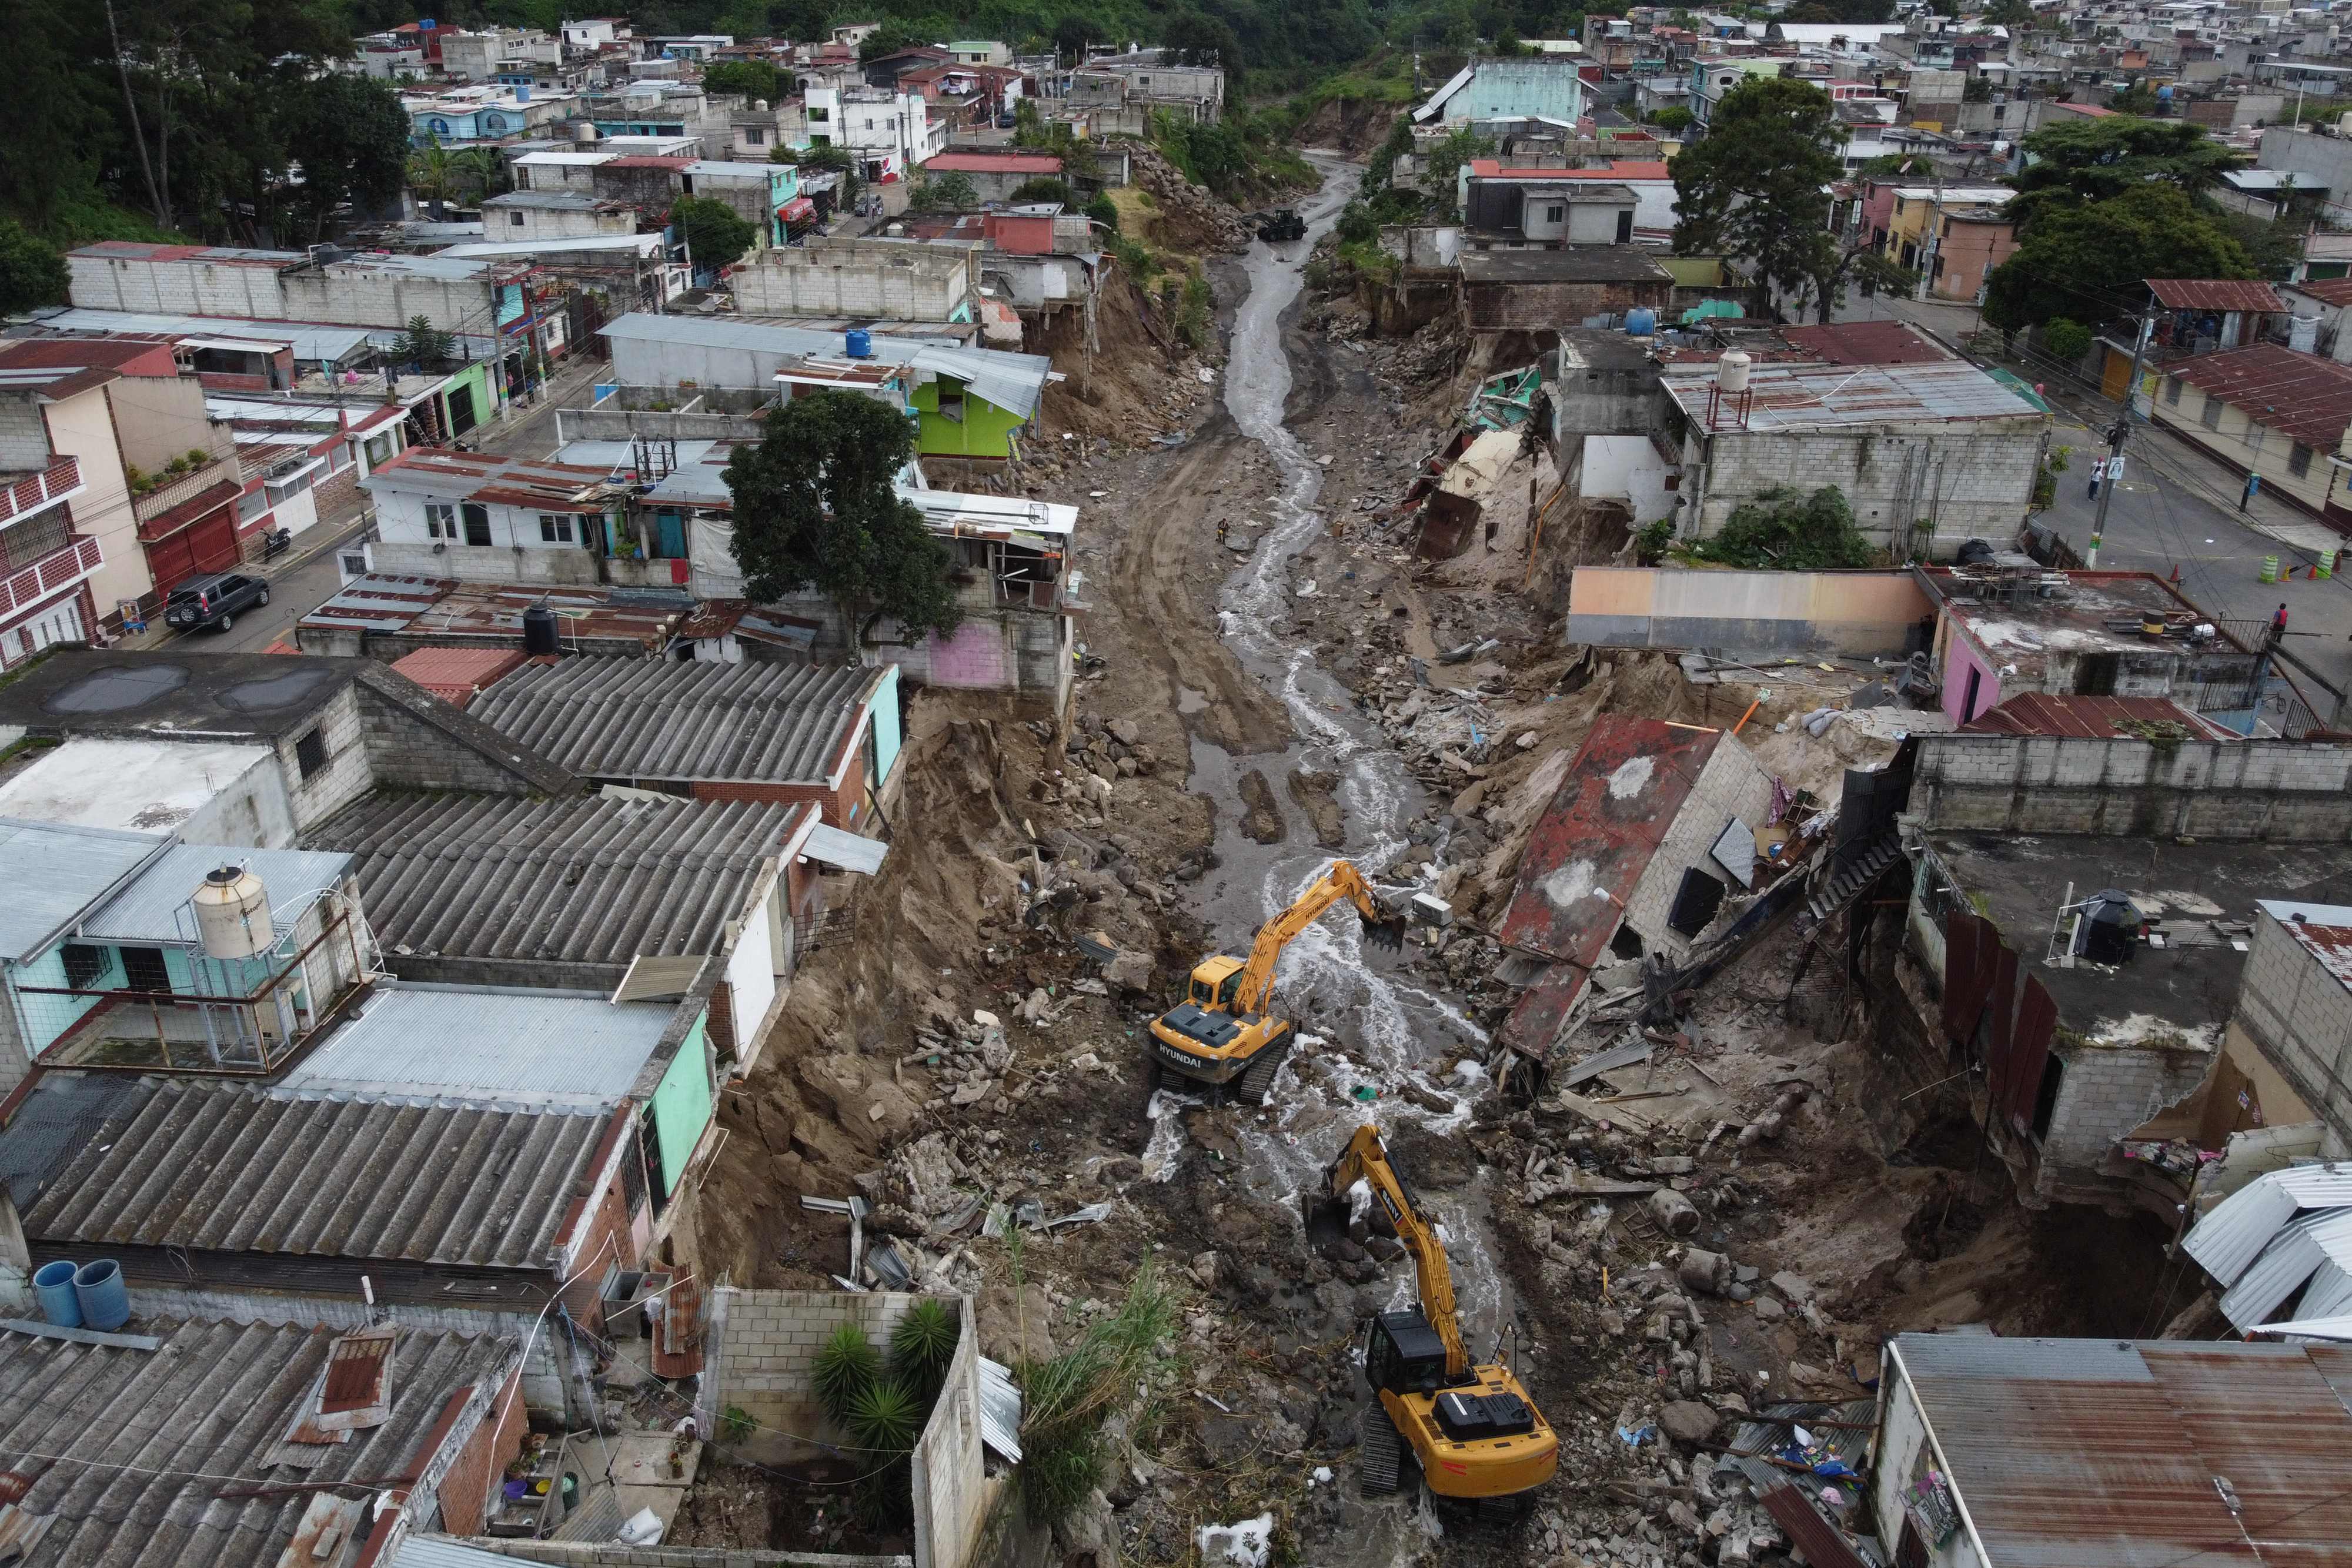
2324	929
487	613
1867	343
2308	398
2224	294
2088	718
2109	1454
129	1452
1593	841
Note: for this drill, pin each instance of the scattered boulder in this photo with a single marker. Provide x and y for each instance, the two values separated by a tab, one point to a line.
1688	1421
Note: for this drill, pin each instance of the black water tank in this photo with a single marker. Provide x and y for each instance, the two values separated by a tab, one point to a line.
539	630
2110	927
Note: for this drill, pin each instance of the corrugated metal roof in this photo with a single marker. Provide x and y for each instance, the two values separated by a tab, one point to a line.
442	1552
2087	718
454	675
149	909
2315	1243
2223	294
2234	1234
2091	1453
218	1166
2303	395
580	881
439	471
1820	397
309	341
2324	929
1013	381
492	613
55	873
850	851
213	1402
473	1045
627	720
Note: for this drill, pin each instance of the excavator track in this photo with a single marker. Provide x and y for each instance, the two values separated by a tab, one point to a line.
1381	1458
1260	1075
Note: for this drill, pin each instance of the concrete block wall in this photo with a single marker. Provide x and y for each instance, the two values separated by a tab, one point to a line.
950	1472
2298	1013
1975	485
1496	307
760	1346
2274	791
890	281
346	776
405	751
2108	1091
557	563
618	1556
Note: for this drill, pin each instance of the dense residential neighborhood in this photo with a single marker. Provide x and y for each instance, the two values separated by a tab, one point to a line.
684	713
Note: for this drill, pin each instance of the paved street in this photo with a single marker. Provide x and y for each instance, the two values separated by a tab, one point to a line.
307	576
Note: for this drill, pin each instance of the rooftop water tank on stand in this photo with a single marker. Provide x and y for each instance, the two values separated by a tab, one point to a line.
1731	372
232	915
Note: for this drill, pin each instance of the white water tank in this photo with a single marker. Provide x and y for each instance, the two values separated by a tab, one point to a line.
1731	372
233	913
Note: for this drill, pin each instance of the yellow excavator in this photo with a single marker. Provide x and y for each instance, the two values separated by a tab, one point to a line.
1221	1033
1471	1432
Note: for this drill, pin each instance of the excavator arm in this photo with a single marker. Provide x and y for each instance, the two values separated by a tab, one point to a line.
1341	881
1366	1159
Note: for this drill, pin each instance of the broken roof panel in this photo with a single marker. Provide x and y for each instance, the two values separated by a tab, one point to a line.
2089	718
1786	397
1595	839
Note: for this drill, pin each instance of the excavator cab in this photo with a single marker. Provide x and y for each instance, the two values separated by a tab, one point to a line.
1214	982
1403	1354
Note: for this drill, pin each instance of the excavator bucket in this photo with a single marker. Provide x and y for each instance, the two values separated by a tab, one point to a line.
1386	933
1326	1219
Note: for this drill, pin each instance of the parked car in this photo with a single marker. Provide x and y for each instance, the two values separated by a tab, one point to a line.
214	601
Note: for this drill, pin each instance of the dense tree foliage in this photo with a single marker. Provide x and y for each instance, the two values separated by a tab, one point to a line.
2090	260
715	236
752	78
2073	160
1757	189
816	507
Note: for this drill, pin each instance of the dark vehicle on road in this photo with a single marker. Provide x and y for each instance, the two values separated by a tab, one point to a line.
215	600
1279	225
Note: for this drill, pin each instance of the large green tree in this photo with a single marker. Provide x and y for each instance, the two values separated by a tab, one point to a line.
2091	260
349	137
1757	189
31	272
816	506
715	236
751	78
2073	160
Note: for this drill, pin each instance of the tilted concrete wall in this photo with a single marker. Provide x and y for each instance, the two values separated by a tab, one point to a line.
871	279
1858	613
2106	1093
2299	1016
2279	791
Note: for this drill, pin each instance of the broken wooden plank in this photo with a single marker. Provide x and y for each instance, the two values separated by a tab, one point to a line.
1608	1062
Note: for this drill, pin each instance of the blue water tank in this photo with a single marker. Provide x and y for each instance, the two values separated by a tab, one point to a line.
1641	321
53	1284
523	92
861	343
105	1302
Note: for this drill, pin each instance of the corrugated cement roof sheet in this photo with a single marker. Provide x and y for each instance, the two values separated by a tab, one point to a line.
2105	1454
55	873
589	881
624	719
473	1045
148	908
232	1167
113	1442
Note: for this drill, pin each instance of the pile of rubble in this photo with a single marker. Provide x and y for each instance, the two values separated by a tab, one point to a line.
1187	218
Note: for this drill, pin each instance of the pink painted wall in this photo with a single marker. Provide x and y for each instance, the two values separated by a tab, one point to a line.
977	655
1961	658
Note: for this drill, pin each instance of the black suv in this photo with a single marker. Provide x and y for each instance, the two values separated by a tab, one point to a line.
213	600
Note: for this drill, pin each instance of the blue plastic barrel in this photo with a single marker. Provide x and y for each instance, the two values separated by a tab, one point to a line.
1641	321
105	1302
861	343
54	1283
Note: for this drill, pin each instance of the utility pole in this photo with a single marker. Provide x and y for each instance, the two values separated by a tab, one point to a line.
2117	436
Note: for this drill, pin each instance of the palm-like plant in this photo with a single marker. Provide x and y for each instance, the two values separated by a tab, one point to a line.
432	175
922	1345
887	1418
845	1367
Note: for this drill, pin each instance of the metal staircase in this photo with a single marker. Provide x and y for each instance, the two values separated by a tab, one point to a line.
1850	884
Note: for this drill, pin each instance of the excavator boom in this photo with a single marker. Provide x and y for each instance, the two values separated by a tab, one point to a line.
1341	881
1366	1158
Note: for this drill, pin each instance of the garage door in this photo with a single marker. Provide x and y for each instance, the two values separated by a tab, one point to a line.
208	544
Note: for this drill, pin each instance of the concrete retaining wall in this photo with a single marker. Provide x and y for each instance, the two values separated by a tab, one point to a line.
1858	613
2279	791
2299	1016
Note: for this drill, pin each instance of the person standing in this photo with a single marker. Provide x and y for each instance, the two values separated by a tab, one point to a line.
2253	489
2278	626
2098	472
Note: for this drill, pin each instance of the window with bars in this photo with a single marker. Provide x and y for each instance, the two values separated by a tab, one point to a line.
29	541
2298	462
143	969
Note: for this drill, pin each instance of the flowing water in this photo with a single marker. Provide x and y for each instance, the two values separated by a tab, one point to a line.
1371	1023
